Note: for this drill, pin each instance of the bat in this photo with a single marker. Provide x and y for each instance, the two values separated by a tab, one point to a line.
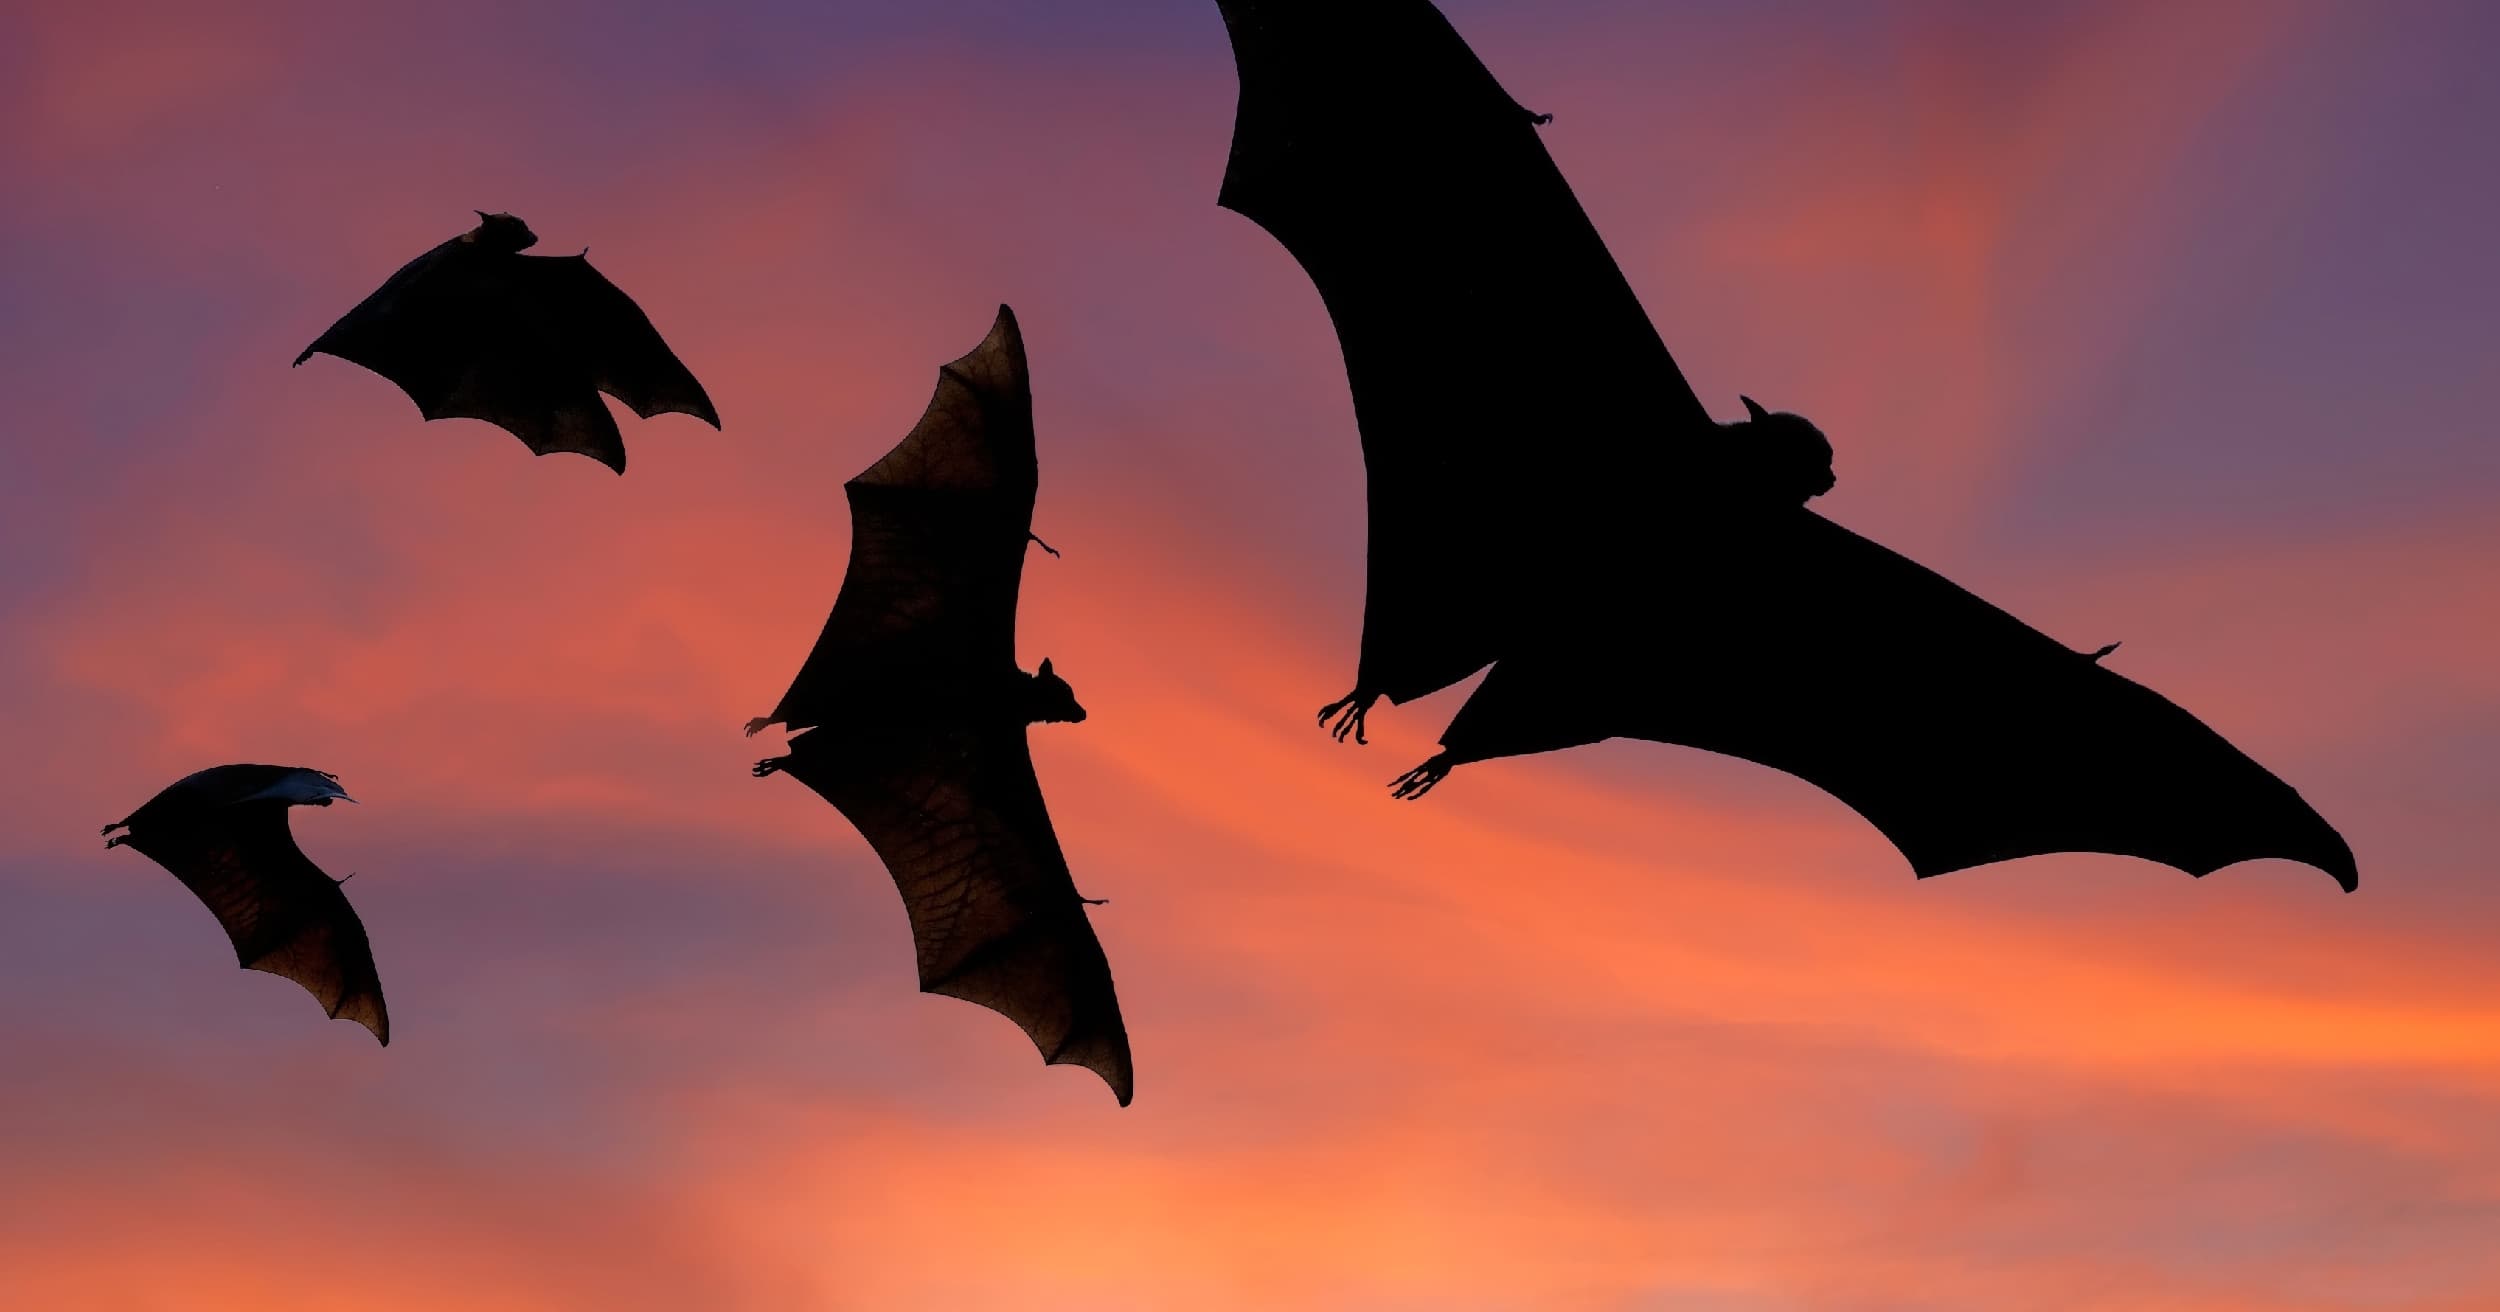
223	833
909	716
1664	579
474	329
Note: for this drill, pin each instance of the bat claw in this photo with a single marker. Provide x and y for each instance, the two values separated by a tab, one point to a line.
1349	712
1422	779
768	767
758	725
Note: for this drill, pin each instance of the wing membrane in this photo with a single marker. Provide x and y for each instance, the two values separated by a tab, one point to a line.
956	814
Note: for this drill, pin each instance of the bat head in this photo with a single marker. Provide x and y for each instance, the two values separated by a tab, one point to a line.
1049	699
501	232
1787	456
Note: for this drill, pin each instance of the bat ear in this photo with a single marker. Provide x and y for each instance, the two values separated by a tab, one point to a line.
1753	409
482	215
1045	665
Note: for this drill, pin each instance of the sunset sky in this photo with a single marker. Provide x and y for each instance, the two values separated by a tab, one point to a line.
2170	323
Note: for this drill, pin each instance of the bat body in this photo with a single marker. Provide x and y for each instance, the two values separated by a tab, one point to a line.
475	329
1548	496
223	833
911	716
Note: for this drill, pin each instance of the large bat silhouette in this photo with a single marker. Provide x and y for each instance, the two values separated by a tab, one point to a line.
913	714
223	833
1548	495
473	329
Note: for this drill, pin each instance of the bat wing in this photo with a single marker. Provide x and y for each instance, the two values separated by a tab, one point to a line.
938	533
283	915
523	342
956	814
1962	734
624	353
1501	366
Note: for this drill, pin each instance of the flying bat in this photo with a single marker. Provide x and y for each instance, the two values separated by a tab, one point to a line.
223	833
1548	495
474	329
909	716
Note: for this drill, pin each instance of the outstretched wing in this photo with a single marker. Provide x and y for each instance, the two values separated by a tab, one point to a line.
1505	378
956	814
614	339
938	533
283	915
1964	735
523	342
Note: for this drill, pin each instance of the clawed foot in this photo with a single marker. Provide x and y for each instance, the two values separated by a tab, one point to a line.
1422	779
111	843
1349	711
771	766
758	725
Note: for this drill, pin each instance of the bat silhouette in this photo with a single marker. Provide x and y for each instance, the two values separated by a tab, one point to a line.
223	833
1656	574
474	329
911	716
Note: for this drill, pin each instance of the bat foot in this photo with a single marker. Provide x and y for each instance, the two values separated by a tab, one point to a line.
758	725
115	841
1422	779
1349	712
769	767
118	824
